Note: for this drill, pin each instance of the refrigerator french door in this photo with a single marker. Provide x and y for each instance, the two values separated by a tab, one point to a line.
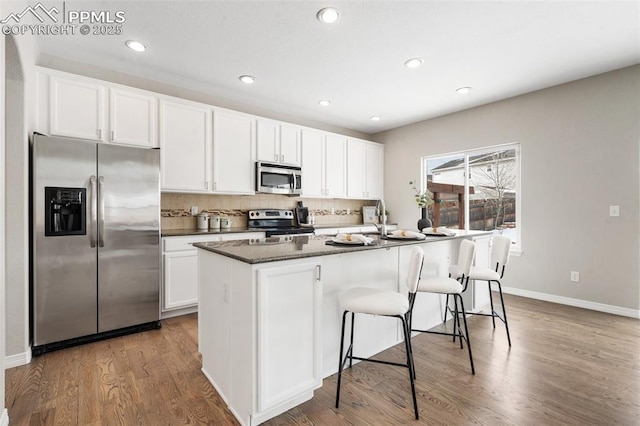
95	240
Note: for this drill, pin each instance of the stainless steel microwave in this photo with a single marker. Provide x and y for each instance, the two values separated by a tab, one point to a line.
278	179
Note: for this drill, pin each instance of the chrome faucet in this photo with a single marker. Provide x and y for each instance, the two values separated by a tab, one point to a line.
383	212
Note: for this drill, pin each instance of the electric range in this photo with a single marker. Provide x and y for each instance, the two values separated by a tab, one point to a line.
276	222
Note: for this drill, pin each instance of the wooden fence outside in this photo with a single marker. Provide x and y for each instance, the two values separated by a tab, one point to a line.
482	214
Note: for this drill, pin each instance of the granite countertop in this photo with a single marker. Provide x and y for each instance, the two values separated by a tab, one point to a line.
262	250
194	231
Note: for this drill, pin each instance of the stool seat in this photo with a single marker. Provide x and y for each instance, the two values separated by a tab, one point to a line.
375	302
484	274
442	285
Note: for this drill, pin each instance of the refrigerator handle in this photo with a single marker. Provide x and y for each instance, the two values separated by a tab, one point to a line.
101	212
94	212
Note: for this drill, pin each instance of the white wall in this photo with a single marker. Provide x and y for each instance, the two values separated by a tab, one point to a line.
580	154
4	419
21	53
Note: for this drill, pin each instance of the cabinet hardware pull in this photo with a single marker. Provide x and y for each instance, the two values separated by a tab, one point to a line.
282	158
99	133
275	157
318	272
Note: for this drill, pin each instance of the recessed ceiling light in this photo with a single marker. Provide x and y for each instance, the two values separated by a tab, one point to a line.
413	63
375	118
328	15
463	90
247	79
136	45
324	102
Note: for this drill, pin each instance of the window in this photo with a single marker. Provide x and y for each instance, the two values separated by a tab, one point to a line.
488	200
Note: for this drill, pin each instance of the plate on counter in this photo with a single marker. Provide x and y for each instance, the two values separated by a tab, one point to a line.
335	242
405	237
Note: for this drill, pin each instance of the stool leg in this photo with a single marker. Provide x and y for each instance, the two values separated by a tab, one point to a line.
350	352
407	333
446	309
466	332
504	313
493	311
407	347
340	363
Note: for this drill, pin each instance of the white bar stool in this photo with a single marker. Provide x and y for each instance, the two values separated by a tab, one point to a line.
371	301
452	287
500	251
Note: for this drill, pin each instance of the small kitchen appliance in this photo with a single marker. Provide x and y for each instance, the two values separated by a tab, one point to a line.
278	179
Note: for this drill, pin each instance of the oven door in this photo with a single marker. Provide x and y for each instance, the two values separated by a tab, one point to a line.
278	180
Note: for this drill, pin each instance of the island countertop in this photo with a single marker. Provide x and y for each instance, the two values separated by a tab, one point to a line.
263	250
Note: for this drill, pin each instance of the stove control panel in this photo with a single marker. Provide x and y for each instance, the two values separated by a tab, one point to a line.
270	214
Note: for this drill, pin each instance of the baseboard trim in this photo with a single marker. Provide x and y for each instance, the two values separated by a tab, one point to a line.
578	303
4	420
17	360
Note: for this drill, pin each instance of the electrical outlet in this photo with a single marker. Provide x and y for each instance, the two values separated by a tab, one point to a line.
194	210
333	210
575	276
614	211
348	211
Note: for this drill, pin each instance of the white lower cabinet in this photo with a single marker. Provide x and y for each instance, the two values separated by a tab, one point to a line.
289	300
259	332
180	270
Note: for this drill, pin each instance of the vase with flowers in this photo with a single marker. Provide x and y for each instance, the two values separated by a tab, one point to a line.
423	200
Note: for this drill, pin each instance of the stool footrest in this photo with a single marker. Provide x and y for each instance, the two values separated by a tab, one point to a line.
379	361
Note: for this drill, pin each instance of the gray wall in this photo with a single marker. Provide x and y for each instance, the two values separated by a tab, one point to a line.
580	154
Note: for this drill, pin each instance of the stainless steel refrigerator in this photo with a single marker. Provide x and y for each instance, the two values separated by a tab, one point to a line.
95	241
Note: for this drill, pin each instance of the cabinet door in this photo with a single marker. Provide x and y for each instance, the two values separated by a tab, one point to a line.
185	137
374	179
76	109
233	153
356	152
282	325
335	166
312	184
267	141
133	118
290	145
180	281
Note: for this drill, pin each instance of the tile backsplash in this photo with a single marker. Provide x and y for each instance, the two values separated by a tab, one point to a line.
176	208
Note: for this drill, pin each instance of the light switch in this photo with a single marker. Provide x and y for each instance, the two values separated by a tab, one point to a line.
614	211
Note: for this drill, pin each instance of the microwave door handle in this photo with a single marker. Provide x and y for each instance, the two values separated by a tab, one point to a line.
94	212
295	181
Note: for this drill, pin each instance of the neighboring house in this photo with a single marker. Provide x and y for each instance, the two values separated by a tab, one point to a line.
493	175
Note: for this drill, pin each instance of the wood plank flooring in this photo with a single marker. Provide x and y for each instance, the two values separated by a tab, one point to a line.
567	366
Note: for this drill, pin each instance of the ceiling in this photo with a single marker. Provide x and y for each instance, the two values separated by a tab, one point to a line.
499	48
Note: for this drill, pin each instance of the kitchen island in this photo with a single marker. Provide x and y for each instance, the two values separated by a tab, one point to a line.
269	313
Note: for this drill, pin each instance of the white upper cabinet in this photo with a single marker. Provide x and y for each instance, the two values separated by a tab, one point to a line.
365	171
185	138
278	142
233	152
82	108
312	163
324	164
133	118
290	147
76	109
335	166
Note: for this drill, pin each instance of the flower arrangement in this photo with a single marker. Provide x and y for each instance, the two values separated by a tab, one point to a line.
423	199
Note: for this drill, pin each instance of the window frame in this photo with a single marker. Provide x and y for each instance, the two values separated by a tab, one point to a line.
516	249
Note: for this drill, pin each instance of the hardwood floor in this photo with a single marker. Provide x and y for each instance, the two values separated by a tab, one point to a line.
567	366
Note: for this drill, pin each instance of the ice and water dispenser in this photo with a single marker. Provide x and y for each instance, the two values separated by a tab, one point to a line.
65	211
